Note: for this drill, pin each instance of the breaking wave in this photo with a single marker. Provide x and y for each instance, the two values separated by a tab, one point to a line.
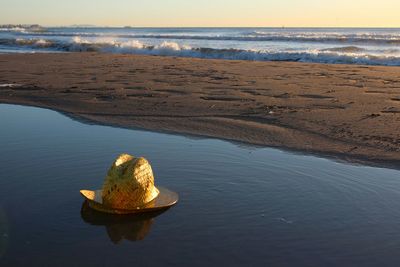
341	55
359	38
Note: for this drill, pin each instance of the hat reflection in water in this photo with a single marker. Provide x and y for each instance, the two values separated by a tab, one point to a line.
130	227
129	188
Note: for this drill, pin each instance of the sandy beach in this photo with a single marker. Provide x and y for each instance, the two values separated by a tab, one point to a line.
351	112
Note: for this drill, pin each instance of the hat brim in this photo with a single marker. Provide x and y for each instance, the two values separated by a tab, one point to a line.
164	200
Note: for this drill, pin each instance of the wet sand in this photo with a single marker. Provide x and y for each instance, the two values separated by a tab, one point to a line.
346	111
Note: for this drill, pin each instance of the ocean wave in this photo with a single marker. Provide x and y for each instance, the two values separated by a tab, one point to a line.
379	39
341	55
345	49
34	28
33	43
13	29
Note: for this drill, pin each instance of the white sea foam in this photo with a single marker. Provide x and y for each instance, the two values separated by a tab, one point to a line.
112	45
374	47
348	55
256	36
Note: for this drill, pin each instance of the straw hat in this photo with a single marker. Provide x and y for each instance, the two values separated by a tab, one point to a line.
129	188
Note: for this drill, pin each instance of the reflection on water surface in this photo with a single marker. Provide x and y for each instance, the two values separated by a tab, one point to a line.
238	206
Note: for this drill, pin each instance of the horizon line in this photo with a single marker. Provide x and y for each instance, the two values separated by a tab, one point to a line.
83	25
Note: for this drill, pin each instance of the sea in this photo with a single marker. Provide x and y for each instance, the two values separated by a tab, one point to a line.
365	46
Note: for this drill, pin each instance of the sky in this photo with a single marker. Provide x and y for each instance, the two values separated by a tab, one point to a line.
203	13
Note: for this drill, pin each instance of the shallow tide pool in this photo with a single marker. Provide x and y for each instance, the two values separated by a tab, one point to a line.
239	205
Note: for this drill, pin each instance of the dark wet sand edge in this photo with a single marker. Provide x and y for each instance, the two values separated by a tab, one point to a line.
337	157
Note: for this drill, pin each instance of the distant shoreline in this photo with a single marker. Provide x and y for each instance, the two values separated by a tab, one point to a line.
349	112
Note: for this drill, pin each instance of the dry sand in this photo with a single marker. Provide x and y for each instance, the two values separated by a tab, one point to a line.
346	111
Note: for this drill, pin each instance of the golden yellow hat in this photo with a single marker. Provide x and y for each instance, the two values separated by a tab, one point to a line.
129	188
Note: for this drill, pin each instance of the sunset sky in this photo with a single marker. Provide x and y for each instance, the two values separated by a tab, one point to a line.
205	13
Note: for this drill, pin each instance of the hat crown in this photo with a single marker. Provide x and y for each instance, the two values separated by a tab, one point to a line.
129	183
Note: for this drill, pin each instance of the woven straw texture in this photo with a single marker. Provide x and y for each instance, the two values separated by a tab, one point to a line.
129	183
